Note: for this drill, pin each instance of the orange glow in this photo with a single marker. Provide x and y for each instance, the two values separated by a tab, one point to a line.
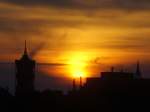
75	42
77	66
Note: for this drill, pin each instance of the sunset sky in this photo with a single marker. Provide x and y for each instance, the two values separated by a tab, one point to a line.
76	36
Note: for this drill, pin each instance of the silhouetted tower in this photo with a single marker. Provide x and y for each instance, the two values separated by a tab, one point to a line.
112	69
138	73
25	75
80	82
74	85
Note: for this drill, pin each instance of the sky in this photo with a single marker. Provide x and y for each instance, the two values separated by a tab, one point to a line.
77	36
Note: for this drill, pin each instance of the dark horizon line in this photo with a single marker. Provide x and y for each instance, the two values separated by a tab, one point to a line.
36	63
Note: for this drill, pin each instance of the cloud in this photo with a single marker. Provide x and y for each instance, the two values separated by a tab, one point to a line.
86	4
55	3
18	27
49	22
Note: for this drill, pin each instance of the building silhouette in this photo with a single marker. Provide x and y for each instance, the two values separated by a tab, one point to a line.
117	82
74	85
109	92
25	75
114	81
116	75
138	73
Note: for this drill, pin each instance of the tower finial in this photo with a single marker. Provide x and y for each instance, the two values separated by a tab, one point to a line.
25	49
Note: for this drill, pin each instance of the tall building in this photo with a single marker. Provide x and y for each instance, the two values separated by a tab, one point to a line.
25	75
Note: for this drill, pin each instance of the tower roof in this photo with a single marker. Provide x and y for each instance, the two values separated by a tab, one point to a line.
25	55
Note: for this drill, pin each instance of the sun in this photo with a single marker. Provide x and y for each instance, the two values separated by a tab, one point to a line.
78	73
77	66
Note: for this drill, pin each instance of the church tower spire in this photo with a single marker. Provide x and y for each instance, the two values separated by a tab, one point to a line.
25	75
25	54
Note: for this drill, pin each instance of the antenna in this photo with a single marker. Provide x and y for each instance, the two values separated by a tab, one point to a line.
25	48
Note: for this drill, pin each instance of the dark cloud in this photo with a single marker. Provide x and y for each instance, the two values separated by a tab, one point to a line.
38	48
123	46
83	4
28	27
133	4
20	28
52	64
56	3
